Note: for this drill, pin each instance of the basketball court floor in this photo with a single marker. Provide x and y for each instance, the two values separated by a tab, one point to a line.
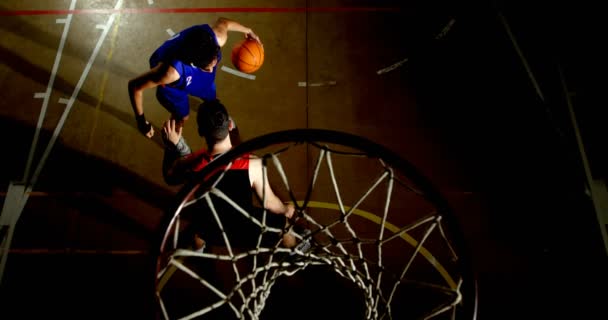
438	83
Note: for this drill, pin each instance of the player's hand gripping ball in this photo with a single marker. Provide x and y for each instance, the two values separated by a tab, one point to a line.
248	55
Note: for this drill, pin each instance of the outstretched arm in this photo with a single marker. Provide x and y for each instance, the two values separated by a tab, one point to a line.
176	163
223	25
159	75
264	191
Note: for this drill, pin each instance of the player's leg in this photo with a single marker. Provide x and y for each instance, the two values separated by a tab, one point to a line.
177	103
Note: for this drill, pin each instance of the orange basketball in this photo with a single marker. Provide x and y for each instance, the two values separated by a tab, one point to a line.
248	56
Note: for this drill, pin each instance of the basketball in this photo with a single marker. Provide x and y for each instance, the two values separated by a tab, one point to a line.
248	56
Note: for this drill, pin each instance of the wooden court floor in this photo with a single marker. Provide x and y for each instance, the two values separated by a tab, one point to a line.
438	83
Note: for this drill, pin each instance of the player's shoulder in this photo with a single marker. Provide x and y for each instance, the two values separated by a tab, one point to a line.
254	161
198	28
166	71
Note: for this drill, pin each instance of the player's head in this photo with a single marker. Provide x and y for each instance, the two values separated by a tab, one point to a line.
213	121
201	50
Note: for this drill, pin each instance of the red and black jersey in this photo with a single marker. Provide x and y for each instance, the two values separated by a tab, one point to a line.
235	184
203	158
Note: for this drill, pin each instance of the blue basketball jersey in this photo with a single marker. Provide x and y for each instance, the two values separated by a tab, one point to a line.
192	81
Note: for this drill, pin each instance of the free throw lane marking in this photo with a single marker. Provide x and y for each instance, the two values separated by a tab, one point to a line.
49	86
83	77
238	73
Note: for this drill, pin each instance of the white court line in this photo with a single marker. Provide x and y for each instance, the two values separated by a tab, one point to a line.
39	95
238	73
16	199
170	32
47	93
316	84
73	97
392	67
101	26
445	29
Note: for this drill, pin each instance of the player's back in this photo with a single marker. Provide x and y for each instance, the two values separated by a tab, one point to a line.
236	186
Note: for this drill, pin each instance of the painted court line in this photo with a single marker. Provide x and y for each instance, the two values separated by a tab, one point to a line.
68	251
197	10
104	81
392	67
47	93
445	29
316	84
238	73
73	97
12	208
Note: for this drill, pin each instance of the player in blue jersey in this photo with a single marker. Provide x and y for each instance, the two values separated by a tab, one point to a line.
239	182
183	65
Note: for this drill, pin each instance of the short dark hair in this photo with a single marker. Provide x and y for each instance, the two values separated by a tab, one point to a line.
213	121
200	48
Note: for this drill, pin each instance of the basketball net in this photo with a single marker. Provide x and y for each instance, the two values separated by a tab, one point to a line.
378	230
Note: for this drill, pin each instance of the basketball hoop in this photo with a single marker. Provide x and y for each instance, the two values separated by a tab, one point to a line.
371	219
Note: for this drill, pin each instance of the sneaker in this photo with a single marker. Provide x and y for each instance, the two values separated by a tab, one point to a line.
199	250
305	245
200	243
